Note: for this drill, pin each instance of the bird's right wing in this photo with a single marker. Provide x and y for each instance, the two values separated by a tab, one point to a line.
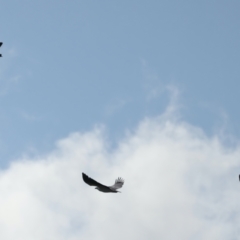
118	184
91	181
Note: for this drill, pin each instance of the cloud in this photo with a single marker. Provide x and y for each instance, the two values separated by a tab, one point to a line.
179	184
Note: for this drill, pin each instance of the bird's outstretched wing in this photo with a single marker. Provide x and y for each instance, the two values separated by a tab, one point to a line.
0	46
118	183
91	181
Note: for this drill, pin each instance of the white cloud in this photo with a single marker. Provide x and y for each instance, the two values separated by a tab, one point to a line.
179	184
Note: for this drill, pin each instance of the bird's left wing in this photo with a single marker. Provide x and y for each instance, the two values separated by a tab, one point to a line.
118	183
91	181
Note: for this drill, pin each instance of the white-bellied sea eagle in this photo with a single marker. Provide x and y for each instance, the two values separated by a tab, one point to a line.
102	188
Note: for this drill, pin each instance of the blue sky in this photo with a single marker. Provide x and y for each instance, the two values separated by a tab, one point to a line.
69	66
144	90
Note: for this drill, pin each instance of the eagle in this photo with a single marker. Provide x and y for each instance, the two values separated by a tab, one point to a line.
0	46
102	188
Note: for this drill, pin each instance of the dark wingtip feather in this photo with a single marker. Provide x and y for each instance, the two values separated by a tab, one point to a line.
85	177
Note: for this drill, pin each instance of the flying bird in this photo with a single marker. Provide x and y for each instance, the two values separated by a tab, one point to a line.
102	188
0	46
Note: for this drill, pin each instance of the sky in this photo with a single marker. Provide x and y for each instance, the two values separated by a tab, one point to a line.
144	90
